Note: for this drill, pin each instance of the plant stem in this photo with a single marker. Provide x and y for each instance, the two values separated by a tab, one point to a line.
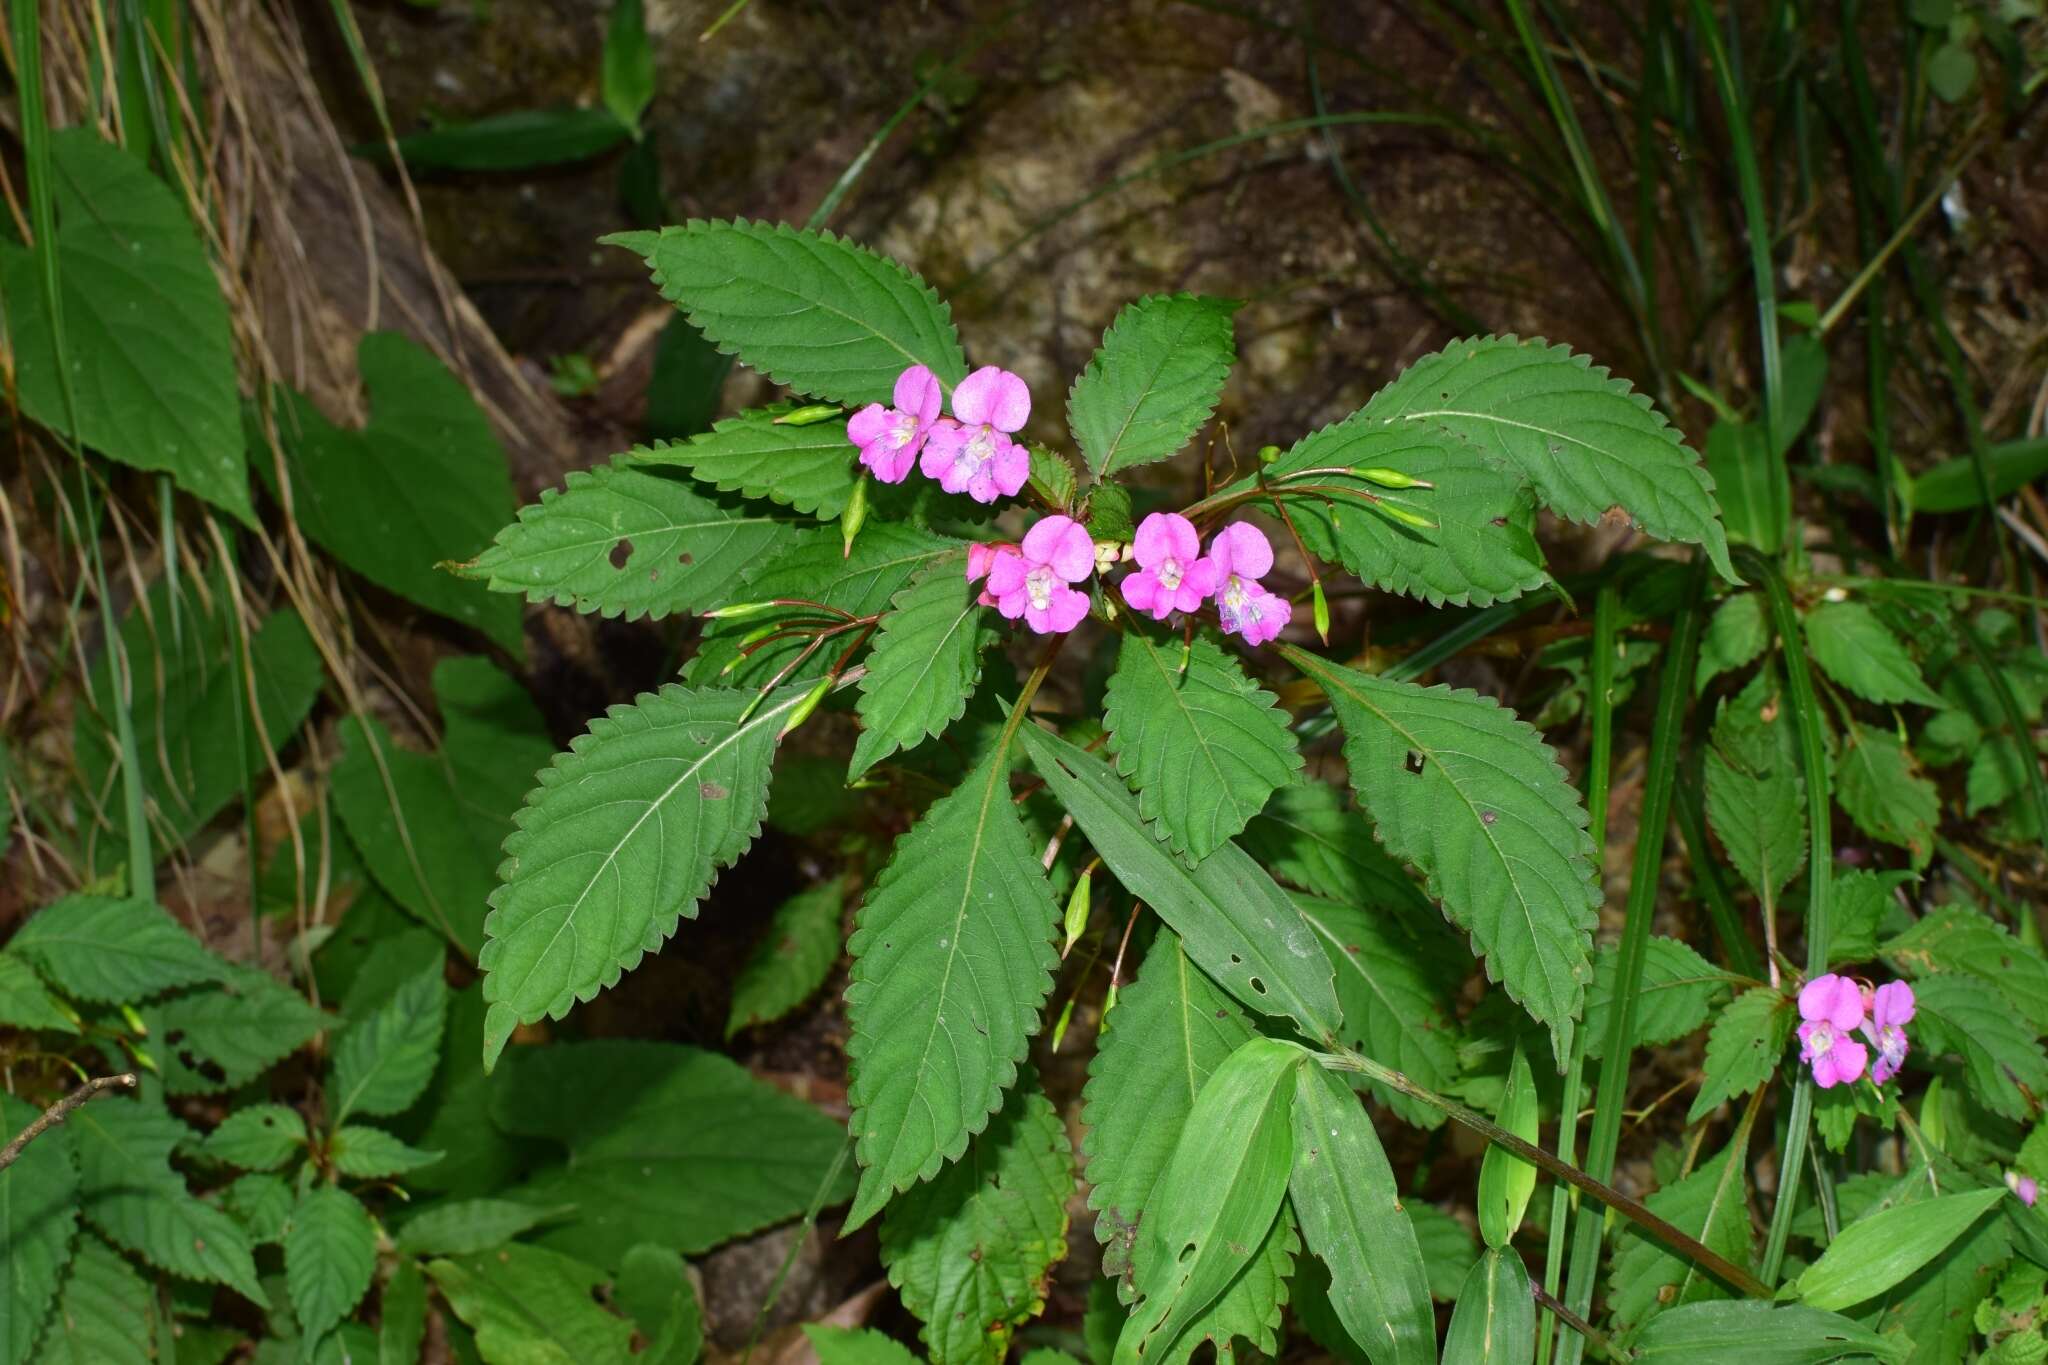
61	1111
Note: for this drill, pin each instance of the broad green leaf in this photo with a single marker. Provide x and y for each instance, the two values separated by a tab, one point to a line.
1743	1049
518	140
402	1315
24	1002
628	542
1880	786
330	1252
1170	1030
104	1312
261	1137
383	1063
952	961
1250	1307
431	834
810	467
1153	382
1308	837
1759	815
1448	1249
628	65
261	1205
807	309
1710	1204
1951	486
1957	938
1979	1023
1584	440
856	1346
113	951
1236	924
793	960
1934	1307
1351	1216
190	697
1495	1320
145	328
654	1291
454	1115
1735	635
623	836
1749	486
1474	798
464	1227
1759	1332
1859	651
971	1250
1678	988
1876	1252
368	1153
38	1220
1395	1007
1202	744
133	1196
424	483
1861	901
220	1037
531	1306
925	664
1505	1180
1218	1196
663	1144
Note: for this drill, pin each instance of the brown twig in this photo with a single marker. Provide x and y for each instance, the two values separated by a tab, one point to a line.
61	1111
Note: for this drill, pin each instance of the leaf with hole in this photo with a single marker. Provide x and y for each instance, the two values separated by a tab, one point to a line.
261	1137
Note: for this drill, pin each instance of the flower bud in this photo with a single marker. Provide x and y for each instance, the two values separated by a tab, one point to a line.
1406	517
855	515
1077	912
1390	478
808	414
806	706
1321	605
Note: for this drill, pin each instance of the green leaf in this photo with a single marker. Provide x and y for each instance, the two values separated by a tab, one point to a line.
788	965
383	1063
1583	439
810	467
1448	1249
519	140
688	385
1308	837
1876	1252
972	1250
2000	1051
1957	938
1053	482
372	1154
1218	1197
624	834
1250	1306
655	1292
646	1162
1710	1204
427	437
133	1196
261	1206
38	1218
1736	635
464	1227
1350	1211
431	835
146	329
856	1346
1202	745
330	1252
1761	1333
261	1137
1743	1049
1859	651
926	663
628	67
1880	786
1861	901
454	1115
1750	487
104	1312
1474	798
402	1315
530	1306
1495	1320
1756	806
808	309
24	1003
1678	988
1395	1007
113	951
1153	382
952	961
1934	1306
1506	1181
1951	486
221	1038
1236	924
628	542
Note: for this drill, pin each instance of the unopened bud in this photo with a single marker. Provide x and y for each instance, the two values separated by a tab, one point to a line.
808	414
1059	1029
1077	912
1321	606
738	610
1268	454
806	706
1406	517
851	520
1107	553
1390	478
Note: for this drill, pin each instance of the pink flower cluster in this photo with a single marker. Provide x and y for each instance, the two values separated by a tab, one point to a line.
1036	580
970	452
1833	1009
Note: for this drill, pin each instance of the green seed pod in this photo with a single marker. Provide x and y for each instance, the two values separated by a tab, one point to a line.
1321	606
1406	517
1390	478
1077	911
808	414
855	515
807	705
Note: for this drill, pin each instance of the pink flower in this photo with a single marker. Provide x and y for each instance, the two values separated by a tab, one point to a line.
1033	582
1170	578
1242	556
2024	1186
981	560
1832	1007
1891	1009
976	455
889	438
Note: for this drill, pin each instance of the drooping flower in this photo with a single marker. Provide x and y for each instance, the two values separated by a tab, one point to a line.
889	438
1891	1009
1172	576
1034	581
1242	556
1832	1007
976	456
2025	1186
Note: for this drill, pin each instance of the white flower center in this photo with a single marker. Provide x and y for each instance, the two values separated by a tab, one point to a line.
902	429
1823	1040
975	452
1038	586
1891	1043
1171	573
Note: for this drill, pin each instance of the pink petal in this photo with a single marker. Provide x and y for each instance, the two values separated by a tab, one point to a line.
979	557
1163	536
1006	574
1139	589
1201	576
1849	1058
1013	604
1069	605
981	486
1833	998
917	393
1242	549
1893	1004
1063	543
1012	466
889	466
1275	612
868	426
938	460
994	396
